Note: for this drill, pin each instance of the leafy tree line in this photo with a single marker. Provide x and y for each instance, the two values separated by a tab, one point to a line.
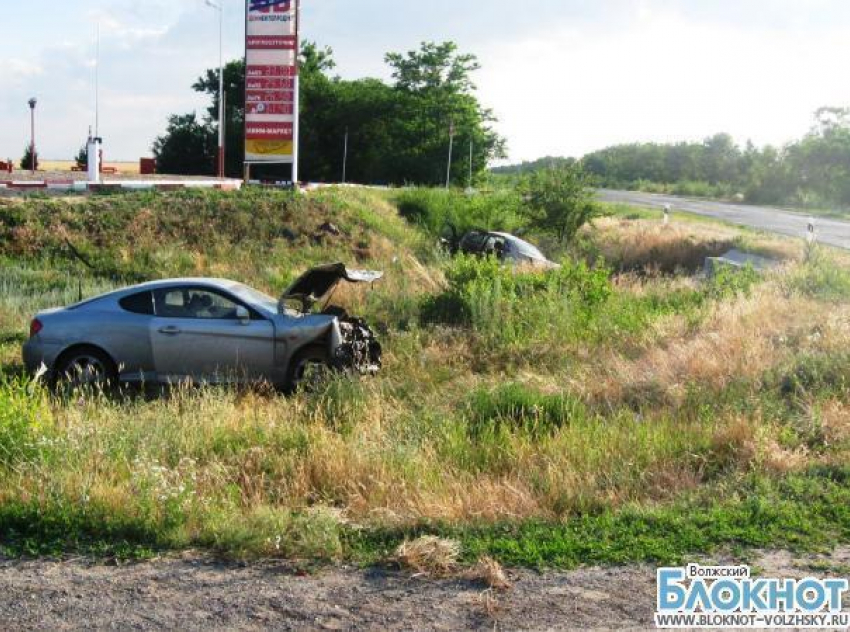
813	171
398	132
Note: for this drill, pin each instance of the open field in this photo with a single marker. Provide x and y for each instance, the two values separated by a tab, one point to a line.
52	175
622	409
123	168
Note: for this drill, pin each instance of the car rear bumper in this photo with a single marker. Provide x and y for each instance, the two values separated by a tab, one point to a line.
36	353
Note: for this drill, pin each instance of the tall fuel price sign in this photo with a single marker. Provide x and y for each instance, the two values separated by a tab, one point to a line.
271	83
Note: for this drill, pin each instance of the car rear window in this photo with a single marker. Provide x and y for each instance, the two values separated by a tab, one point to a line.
527	250
138	303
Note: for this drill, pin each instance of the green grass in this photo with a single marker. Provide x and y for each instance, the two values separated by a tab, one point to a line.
547	419
802	513
435	210
806	512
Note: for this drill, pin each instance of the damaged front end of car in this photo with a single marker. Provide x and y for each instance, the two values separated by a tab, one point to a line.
354	345
359	349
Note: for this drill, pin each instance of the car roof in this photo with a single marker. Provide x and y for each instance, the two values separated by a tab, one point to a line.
518	240
507	236
219	284
222	284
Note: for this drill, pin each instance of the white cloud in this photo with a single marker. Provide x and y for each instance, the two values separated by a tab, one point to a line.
563	76
662	77
17	69
147	67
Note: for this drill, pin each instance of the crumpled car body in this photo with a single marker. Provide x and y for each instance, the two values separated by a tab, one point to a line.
504	246
204	330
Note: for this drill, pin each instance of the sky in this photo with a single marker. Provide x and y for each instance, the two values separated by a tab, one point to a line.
564	77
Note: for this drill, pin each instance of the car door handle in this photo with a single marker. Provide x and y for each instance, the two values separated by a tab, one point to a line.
169	331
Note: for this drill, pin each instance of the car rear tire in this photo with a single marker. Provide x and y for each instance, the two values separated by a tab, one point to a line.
85	367
309	370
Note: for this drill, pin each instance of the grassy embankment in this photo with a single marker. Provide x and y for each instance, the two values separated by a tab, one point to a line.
607	412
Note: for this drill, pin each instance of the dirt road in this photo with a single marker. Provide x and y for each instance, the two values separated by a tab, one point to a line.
196	594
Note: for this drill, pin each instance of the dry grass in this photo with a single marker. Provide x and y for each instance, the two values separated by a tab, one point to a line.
740	339
253	471
835	416
489	572
429	555
642	246
123	168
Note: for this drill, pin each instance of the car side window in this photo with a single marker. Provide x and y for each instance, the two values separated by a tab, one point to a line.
473	242
194	303
495	246
141	303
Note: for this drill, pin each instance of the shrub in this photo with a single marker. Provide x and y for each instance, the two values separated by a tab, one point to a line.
729	281
559	201
437	210
20	417
504	304
820	277
515	406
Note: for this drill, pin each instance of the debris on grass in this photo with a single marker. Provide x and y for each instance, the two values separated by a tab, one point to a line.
429	555
489	572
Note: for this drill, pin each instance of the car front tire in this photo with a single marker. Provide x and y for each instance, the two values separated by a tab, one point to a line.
309	369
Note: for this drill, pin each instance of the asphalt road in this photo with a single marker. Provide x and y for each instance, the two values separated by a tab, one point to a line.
829	231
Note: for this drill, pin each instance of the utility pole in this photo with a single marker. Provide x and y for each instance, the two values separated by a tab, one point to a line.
451	149
33	160
345	156
219	6
471	148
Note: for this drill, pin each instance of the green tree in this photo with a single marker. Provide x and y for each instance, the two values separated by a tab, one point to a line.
435	83
188	147
28	159
234	115
559	200
82	158
397	133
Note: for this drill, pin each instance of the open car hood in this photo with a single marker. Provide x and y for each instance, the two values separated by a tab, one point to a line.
317	284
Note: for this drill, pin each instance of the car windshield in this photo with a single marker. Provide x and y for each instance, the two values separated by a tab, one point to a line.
526	249
255	297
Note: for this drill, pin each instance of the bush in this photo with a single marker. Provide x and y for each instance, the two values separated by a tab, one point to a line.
20	417
729	281
559	201
820	277
435	210
29	158
503	304
516	406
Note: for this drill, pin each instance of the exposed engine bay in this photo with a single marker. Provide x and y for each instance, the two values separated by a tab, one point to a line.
360	349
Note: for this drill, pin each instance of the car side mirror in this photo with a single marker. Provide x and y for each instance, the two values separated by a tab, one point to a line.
243	315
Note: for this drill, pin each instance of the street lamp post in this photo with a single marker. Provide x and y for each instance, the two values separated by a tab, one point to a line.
219	6
32	103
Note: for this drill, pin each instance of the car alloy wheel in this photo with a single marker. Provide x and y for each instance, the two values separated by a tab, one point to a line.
86	369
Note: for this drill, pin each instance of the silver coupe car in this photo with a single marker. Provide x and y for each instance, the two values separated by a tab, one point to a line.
205	330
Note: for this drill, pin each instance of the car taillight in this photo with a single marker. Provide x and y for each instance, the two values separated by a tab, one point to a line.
35	327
